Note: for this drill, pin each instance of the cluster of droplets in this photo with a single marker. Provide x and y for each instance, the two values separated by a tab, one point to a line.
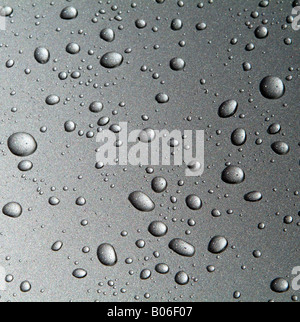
271	88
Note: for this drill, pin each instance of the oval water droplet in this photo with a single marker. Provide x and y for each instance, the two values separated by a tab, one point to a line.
228	108
162	268
182	247
233	175
80	273
253	196
272	87
57	246
12	209
69	13
158	229
25	165
239	137
159	184
107	34
182	278
177	64
274	129
107	255
194	202
111	60
25	287
280	148
147	135
42	55
218	245
280	285
141	201
52	100
22	144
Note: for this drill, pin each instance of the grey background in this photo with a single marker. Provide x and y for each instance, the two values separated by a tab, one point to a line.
27	240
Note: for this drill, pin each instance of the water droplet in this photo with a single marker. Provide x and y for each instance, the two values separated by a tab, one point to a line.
280	285
70	126
107	255
107	34
162	268
6	11
194	202
145	274
25	165
22	144
280	148
159	184
177	64
73	48
176	24
52	100
254	196
79	273
272	87
274	129
111	60
69	13
182	248
42	55
141	201
158	229
96	107
218	245
233	175
57	246
25	287
147	135
182	278
261	32
12	209
162	98
228	108
239	137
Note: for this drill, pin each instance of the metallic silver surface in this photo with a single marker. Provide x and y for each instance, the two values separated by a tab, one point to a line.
70	208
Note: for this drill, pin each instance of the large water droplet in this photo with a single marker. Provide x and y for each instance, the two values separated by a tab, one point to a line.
107	255
42	55
69	13
12	209
228	108
107	34
280	148
57	246
79	273
194	202
218	245
182	278
111	60
239	137
254	196
280	285
158	229
182	248
22	144
272	87
141	201
233	175
159	184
